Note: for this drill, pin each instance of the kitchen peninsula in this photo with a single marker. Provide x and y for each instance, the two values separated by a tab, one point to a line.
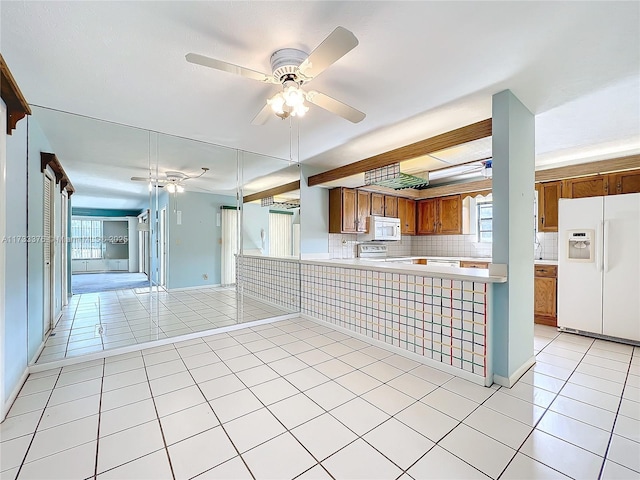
439	315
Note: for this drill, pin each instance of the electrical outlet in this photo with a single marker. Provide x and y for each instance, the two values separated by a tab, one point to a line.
205	276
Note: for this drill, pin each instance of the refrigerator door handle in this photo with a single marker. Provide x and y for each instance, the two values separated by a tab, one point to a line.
605	246
598	247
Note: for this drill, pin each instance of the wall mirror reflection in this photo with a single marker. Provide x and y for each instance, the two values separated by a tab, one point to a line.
154	228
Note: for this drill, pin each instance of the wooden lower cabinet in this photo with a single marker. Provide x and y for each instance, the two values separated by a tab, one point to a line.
545	300
473	264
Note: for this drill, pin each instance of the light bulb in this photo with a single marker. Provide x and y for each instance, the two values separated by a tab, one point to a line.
171	188
179	188
299	110
276	103
293	96
150	187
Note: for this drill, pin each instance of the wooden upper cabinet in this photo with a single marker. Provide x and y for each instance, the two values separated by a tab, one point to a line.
390	206
593	186
377	204
441	215
624	182
548	195
450	215
427	216
346	207
407	214
362	210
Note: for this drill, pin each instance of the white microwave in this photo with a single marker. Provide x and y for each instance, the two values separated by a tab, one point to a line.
382	228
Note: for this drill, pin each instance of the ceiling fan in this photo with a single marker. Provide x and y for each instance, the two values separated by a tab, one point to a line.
292	68
172	181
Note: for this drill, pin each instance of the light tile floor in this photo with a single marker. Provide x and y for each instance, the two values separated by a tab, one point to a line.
128	318
265	402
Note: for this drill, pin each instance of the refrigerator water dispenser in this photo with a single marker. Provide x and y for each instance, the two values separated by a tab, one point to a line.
580	246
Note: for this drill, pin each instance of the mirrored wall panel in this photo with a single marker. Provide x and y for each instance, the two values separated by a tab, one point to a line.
155	228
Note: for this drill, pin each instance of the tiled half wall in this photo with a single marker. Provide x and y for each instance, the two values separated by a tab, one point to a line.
273	280
440	319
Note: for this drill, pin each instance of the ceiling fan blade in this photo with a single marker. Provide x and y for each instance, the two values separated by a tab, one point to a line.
263	115
147	179
228	67
334	47
335	106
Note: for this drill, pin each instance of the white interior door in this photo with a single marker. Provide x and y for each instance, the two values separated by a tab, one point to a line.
621	265
48	255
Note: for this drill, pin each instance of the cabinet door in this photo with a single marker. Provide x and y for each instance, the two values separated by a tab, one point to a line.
349	210
450	215
377	204
594	186
390	206
624	182
363	209
407	215
427	216
470	264
548	195
544	296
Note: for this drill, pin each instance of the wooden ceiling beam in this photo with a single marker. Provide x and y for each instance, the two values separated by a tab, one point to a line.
469	133
629	162
288	187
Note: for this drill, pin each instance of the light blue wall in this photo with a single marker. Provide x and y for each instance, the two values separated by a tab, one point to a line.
15	340
194	246
37	143
513	197
314	215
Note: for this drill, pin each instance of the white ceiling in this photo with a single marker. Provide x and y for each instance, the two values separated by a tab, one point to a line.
421	68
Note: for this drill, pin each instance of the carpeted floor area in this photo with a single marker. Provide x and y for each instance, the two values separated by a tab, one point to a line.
104	282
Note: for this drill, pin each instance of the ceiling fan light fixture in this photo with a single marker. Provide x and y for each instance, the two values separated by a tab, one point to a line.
277	103
179	188
171	188
293	96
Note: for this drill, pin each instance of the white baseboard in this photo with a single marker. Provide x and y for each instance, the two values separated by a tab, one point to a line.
515	376
197	287
6	406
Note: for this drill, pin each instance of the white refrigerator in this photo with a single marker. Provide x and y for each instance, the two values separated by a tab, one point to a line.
599	266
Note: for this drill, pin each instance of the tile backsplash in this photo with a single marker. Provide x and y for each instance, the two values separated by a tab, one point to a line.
548	249
344	246
450	246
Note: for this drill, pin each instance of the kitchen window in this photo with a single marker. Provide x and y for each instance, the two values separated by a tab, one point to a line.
485	222
86	239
